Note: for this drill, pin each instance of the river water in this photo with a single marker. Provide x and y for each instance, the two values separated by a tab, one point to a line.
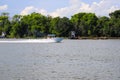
68	60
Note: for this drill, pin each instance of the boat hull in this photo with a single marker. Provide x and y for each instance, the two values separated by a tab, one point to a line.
57	39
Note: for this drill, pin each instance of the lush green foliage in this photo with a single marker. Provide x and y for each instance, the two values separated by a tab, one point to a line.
38	25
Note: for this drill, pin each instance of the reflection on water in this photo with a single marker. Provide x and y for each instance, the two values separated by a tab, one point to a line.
69	60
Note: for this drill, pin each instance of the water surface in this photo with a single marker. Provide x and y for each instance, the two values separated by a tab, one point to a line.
68	60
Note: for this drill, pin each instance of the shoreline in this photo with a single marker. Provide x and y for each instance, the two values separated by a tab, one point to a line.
96	38
77	38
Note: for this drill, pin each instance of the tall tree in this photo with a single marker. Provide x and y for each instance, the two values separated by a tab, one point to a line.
4	23
17	29
115	23
102	28
84	23
60	26
35	23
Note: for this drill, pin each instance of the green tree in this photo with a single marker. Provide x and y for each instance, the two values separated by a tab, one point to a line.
35	23
84	23
17	30
60	26
115	23
102	28
4	23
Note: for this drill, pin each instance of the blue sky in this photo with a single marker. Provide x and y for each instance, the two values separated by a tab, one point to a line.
59	7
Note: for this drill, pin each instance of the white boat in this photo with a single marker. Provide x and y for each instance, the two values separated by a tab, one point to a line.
51	37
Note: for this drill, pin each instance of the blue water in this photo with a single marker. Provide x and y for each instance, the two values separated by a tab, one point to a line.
68	60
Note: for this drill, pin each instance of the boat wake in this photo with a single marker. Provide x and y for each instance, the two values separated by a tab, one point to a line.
28	41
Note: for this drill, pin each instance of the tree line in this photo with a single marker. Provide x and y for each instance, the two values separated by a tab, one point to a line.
38	25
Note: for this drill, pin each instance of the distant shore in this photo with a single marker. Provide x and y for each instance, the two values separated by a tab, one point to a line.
96	38
77	38
99	38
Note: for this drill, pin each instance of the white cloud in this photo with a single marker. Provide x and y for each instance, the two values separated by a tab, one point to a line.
113	8
4	7
102	8
31	9
28	10
61	12
84	8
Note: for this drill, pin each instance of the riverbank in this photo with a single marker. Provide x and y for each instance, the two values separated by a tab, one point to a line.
77	38
95	38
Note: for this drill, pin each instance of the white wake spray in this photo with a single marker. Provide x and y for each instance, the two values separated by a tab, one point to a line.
26	41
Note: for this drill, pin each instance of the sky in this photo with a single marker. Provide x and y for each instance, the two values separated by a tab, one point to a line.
60	8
